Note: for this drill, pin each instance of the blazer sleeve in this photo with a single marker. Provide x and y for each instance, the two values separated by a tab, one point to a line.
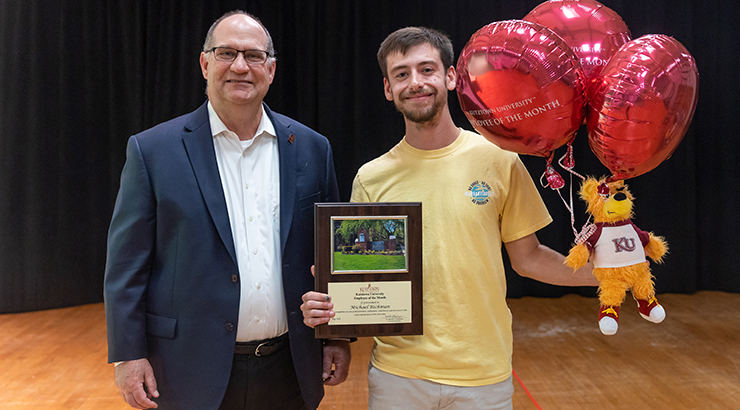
331	188
131	240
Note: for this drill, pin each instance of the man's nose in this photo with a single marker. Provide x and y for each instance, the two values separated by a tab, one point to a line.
239	63
416	80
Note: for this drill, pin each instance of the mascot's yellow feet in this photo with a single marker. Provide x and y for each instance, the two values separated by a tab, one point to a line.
608	319
651	310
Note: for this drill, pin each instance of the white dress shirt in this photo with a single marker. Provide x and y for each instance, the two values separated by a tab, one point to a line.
250	176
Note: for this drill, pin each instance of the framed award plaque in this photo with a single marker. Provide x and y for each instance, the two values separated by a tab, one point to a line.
368	258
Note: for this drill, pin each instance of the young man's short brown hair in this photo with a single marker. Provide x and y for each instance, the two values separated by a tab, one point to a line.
403	39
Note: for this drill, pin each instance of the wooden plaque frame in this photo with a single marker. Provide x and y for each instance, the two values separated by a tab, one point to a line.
327	218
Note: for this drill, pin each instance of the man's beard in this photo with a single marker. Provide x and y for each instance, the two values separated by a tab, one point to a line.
422	116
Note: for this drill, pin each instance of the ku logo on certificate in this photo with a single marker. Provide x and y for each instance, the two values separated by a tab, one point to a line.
357	303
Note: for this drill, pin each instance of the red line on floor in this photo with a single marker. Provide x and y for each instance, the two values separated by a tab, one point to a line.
525	390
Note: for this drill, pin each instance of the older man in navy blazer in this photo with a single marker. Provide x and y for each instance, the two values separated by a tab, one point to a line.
211	243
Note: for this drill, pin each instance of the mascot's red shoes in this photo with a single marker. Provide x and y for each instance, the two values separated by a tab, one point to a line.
608	319
651	310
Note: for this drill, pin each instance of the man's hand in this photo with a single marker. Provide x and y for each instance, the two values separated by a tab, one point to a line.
316	308
136	383
338	354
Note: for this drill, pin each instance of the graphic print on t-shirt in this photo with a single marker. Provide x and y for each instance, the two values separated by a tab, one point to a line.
478	191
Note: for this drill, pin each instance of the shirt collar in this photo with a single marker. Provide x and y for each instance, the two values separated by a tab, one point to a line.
218	126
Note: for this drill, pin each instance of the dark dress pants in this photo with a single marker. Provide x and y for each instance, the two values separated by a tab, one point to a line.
263	383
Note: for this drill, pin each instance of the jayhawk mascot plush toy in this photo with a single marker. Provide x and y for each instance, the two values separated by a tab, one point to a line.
618	250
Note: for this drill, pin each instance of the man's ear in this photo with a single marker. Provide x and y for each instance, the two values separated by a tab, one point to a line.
387	89
204	64
271	71
451	77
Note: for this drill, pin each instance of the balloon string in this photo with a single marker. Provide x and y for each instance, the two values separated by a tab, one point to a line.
571	162
569	206
588	227
567	162
555	182
586	231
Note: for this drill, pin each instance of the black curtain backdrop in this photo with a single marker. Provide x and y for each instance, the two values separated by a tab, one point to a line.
80	77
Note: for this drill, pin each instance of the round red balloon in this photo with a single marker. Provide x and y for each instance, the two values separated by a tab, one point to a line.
594	32
521	87
642	105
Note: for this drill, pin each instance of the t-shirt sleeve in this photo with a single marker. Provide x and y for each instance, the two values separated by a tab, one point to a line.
359	194
644	236
523	212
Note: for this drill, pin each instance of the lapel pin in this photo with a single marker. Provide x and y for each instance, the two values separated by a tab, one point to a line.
291	138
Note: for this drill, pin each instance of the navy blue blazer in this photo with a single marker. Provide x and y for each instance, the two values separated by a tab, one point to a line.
170	294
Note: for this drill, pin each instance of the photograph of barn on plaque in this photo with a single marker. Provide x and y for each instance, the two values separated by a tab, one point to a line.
369	244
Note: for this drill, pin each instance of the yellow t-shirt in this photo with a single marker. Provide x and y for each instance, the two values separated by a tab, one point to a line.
474	195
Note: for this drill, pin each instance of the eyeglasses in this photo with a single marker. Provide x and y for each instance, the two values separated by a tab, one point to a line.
228	55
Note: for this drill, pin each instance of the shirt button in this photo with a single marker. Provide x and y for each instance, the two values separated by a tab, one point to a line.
229	327
259	286
251	218
246	186
257	319
254	251
235	278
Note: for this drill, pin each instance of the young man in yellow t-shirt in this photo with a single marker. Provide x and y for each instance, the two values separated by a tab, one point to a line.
475	196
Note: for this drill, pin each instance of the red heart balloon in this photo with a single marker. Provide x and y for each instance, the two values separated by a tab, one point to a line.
521	87
594	32
642	104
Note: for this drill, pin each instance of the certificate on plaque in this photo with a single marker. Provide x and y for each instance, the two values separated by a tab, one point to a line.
368	258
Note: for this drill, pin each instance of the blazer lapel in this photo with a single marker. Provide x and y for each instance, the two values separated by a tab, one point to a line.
198	143
287	154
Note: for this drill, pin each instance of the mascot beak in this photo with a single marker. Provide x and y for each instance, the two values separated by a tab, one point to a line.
618	206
